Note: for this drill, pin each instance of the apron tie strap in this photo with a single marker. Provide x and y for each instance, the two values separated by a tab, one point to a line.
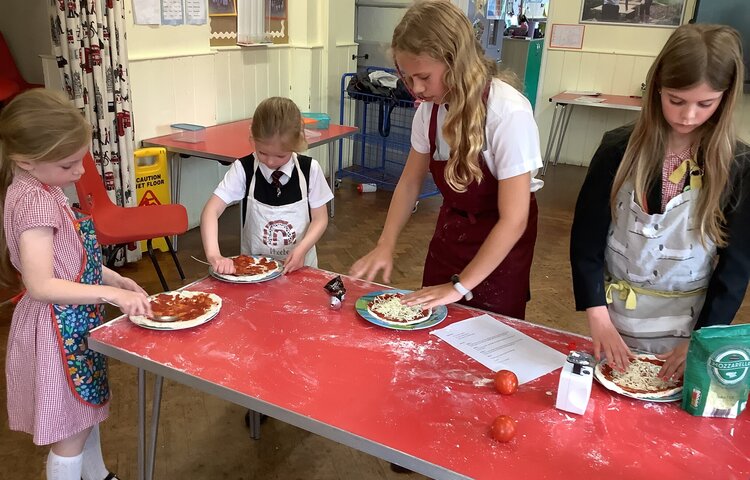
627	294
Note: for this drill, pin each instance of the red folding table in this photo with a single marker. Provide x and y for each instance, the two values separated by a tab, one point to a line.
410	398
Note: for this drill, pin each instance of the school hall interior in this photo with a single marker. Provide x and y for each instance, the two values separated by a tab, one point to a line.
197	74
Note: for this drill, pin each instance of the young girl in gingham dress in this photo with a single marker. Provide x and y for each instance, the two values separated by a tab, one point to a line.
57	387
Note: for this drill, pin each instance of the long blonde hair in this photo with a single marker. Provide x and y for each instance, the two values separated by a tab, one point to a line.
439	29
279	116
39	125
693	54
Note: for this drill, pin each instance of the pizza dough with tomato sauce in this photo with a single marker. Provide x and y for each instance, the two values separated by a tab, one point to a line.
250	269
190	308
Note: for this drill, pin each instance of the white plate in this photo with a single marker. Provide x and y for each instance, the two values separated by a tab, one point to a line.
249	279
609	385
145	322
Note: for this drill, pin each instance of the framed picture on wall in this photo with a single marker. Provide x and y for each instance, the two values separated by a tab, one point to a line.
645	13
222	8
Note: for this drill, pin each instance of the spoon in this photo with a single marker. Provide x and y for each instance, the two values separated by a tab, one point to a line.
156	318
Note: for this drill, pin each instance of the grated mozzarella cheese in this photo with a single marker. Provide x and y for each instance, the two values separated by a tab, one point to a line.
642	375
392	308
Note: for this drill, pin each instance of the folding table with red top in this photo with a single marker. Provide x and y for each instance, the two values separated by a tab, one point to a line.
228	142
412	399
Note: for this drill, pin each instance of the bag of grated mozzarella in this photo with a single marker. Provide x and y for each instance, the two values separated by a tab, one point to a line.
717	371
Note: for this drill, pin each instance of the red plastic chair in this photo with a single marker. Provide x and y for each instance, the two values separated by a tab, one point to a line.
119	226
11	81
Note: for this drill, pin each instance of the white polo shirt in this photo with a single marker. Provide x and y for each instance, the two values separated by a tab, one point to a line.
511	134
232	187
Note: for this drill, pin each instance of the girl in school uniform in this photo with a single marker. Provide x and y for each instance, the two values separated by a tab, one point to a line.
57	387
283	194
660	244
477	136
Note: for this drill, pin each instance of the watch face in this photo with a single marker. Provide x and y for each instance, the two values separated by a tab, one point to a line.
455	279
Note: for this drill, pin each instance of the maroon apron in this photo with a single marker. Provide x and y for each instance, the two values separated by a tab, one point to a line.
464	222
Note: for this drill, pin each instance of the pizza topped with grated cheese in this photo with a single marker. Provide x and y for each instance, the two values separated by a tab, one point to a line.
639	380
389	309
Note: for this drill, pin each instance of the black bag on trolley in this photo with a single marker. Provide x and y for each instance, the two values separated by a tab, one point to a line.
362	88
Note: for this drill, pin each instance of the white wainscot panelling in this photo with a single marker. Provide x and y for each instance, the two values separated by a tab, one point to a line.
603	72
178	90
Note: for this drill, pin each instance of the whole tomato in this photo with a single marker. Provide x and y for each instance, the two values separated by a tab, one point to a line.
503	428
506	382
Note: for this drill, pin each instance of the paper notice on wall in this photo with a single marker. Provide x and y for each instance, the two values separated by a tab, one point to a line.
195	12
498	346
172	12
147	12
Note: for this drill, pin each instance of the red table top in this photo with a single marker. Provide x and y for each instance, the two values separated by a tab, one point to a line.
230	141
409	397
623	102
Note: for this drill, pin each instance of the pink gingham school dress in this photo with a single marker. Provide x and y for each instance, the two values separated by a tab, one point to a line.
44	368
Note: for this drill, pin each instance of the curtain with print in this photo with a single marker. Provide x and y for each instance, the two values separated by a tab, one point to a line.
90	44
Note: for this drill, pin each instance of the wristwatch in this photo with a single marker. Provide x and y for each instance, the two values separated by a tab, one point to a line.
461	289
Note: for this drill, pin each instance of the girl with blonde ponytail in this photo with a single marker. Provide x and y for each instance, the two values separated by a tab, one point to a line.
660	244
476	134
57	387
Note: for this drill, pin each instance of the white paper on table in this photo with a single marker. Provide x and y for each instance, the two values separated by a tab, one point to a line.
590	99
195	12
147	12
498	346
172	12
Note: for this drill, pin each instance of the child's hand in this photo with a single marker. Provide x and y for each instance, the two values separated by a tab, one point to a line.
222	264
431	297
380	258
607	339
132	303
294	260
674	361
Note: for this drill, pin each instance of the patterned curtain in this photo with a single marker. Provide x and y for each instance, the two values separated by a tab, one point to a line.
90	44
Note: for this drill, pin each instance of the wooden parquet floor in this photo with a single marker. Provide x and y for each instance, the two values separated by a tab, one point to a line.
203	437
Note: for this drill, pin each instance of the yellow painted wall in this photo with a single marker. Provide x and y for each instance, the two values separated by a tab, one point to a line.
614	59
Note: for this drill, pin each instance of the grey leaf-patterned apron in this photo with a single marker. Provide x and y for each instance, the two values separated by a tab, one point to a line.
658	269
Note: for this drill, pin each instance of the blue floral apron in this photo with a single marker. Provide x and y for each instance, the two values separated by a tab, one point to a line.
87	370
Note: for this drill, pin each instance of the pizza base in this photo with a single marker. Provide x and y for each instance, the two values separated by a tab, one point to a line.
392	322
250	278
610	385
180	324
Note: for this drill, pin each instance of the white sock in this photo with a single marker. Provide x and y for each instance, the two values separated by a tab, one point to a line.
63	468
93	462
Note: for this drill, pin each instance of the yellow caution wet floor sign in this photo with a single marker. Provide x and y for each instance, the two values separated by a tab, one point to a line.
152	183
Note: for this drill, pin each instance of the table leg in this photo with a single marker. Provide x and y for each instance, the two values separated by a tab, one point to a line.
175	177
565	121
254	425
141	423
331	174
552	136
156	407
